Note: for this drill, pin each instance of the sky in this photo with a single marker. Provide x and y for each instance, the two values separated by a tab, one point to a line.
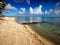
18	7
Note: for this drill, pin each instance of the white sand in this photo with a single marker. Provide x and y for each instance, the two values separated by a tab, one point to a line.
12	33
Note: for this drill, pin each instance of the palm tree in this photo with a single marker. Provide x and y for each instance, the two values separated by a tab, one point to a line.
2	6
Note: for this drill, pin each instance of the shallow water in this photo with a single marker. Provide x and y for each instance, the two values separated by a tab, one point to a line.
27	19
50	29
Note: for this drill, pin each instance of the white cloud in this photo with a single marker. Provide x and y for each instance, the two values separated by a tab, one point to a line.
31	10
22	11
57	3
51	10
56	10
9	7
37	10
46	12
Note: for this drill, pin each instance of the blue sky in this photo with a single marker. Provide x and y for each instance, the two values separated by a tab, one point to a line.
17	7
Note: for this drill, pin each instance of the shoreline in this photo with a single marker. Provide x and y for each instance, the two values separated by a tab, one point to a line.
15	34
39	37
34	39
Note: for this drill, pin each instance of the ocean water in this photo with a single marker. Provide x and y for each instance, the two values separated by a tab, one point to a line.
28	19
49	27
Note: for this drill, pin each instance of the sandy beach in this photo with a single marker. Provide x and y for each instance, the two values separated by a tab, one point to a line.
12	33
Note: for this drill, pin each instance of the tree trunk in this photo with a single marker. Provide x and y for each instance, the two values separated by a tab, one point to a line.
0	12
